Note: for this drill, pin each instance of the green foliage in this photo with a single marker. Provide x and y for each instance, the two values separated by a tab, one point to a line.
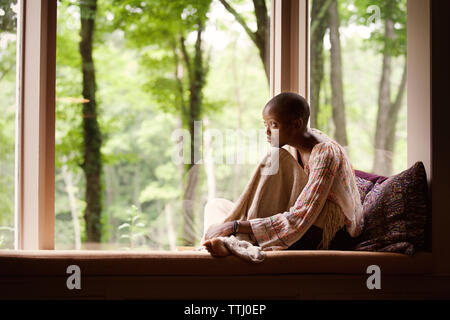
159	31
363	42
7	120
6	237
394	10
131	230
8	20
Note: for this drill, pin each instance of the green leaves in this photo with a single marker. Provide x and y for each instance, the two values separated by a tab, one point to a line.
8	16
132	230
6	235
124	225
394	11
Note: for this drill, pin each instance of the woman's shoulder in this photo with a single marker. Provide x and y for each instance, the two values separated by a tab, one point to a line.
329	151
329	147
325	142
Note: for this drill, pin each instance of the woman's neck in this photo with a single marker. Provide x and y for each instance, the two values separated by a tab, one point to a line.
305	141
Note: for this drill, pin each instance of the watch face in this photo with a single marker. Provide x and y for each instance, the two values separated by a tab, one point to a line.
235	227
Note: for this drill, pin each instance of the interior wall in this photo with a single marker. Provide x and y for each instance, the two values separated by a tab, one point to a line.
440	135
419	83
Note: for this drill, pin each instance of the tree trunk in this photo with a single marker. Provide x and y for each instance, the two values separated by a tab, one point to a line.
261	35
383	158
137	185
189	235
111	186
385	161
393	115
92	165
196	73
237	93
178	73
170	227
337	91
69	183
180	145
209	164
319	24
8	21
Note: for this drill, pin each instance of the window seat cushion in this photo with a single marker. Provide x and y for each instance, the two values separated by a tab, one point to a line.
116	263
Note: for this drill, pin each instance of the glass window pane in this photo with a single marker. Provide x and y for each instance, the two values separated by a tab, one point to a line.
358	79
133	79
8	36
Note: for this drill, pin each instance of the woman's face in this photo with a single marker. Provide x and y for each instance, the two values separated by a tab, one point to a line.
278	131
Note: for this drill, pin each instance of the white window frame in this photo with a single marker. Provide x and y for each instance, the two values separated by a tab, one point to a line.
35	126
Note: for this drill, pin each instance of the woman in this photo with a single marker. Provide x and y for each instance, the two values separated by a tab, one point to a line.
325	203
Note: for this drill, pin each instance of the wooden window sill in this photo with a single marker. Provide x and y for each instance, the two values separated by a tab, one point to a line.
188	262
196	275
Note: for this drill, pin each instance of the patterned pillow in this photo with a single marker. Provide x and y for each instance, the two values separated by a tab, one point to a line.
364	186
396	213
374	178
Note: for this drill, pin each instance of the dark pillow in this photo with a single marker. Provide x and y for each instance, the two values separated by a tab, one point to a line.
396	213
366	181
370	176
364	186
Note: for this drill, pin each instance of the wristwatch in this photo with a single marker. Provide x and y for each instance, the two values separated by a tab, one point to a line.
235	227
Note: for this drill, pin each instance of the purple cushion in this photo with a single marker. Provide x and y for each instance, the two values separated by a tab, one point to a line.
370	176
396	212
366	181
364	186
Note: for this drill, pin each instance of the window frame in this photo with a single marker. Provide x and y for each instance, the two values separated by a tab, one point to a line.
289	71
35	126
289	47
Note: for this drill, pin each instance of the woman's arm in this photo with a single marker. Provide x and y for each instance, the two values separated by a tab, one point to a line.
226	229
244	227
283	229
219	230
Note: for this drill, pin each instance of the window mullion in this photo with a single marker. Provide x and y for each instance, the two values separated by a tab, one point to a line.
36	126
289	47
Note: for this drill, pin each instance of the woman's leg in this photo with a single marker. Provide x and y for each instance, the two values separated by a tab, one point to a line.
216	211
269	194
264	195
309	241
328	233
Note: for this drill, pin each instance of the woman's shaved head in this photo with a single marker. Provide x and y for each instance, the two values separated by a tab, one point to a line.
289	106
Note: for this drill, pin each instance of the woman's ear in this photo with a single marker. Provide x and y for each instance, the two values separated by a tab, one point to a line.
299	123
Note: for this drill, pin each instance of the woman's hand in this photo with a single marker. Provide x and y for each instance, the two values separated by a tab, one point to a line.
219	230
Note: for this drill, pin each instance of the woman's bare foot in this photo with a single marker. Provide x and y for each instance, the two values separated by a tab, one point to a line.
216	247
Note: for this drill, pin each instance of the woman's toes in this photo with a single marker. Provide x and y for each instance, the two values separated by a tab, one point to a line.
207	244
219	248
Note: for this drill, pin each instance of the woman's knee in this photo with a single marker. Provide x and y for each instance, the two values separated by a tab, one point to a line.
218	204
216	210
277	163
